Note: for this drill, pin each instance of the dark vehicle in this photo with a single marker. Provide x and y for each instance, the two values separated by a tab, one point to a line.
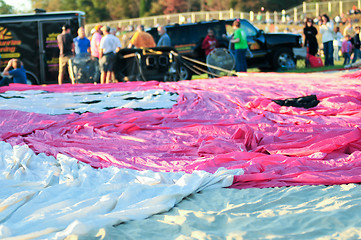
270	50
32	39
156	63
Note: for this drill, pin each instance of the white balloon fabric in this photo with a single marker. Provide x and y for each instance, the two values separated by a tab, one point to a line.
41	196
39	101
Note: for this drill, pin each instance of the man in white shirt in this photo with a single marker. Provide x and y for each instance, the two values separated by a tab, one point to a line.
109	46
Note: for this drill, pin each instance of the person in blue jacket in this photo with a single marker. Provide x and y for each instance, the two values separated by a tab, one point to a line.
17	72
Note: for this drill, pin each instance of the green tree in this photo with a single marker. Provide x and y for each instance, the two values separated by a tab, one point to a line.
96	10
53	6
69	5
277	5
116	9
5	9
48	5
156	8
174	6
40	3
216	5
100	10
194	5
122	9
142	8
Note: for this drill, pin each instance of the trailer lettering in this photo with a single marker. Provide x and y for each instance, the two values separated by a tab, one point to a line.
53	61
52	37
8	49
10	55
33	39
10	43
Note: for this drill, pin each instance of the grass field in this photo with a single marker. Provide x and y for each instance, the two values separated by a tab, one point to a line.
300	68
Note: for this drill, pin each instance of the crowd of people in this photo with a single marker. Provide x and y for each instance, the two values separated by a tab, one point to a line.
103	44
333	41
101	47
238	45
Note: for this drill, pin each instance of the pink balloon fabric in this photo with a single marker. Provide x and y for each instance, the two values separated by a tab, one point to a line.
228	122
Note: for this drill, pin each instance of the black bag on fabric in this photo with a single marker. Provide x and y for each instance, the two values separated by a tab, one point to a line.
302	102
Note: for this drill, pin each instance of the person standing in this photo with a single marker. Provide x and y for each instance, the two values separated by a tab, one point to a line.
348	28
95	41
228	38
141	39
310	33
164	40
240	46
113	31
66	47
81	43
346	49
356	44
337	43
79	71
109	45
326	29
210	42
94	48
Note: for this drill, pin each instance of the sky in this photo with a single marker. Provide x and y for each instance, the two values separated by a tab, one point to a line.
19	5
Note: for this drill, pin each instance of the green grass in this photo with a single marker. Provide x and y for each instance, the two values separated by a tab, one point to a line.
300	68
320	69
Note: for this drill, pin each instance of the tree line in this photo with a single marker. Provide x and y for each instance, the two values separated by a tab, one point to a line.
105	10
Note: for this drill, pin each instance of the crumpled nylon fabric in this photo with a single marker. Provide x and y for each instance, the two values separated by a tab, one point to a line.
229	122
42	197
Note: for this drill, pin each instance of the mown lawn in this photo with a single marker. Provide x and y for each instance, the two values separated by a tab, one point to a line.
300	68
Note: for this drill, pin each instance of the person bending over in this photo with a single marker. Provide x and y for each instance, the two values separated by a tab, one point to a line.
18	73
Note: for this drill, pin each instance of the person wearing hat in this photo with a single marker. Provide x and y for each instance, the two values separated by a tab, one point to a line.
356	43
95	41
109	45
66	47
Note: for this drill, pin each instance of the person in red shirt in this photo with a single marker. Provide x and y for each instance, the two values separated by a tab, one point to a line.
210	42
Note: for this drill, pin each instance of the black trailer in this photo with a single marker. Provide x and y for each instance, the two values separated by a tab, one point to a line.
135	64
32	39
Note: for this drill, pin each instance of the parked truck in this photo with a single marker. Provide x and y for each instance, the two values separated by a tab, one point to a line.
270	51
32	39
